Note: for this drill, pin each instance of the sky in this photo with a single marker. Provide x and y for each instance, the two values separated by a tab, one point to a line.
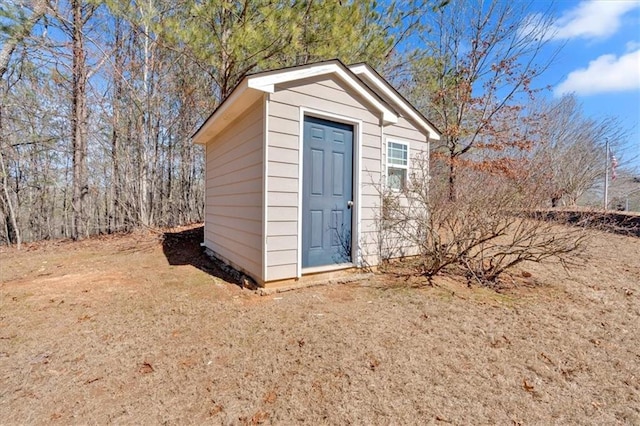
599	61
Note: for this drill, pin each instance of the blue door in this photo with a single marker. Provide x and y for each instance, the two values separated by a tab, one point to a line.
327	182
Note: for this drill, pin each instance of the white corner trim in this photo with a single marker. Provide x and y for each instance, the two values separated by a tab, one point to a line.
265	187
301	112
381	185
356	249
361	69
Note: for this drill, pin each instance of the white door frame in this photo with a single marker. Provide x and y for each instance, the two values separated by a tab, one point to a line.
355	215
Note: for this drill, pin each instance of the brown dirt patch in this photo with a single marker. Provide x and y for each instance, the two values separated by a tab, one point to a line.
135	329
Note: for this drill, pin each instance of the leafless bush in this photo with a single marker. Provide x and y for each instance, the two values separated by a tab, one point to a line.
486	231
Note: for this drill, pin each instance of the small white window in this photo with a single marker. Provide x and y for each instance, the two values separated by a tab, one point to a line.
397	165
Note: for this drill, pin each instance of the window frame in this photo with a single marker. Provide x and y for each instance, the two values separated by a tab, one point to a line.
390	165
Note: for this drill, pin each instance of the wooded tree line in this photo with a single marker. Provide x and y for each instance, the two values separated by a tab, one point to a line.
99	98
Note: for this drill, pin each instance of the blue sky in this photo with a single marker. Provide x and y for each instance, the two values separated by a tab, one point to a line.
599	61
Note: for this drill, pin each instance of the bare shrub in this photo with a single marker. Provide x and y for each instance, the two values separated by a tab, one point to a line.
486	231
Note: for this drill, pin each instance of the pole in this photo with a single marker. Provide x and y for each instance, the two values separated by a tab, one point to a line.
606	174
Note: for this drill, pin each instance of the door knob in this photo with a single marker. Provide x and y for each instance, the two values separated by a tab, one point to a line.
349	204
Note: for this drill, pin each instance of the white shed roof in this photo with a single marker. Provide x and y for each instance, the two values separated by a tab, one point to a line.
361	78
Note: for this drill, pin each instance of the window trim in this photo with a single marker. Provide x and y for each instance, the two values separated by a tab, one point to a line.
396	166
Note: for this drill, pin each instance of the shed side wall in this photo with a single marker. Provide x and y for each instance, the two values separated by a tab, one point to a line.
392	241
233	220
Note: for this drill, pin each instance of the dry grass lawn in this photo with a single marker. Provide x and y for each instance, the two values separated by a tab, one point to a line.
132	330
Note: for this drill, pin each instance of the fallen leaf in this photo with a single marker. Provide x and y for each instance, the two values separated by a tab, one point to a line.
146	368
270	397
542	355
373	364
259	418
527	386
217	408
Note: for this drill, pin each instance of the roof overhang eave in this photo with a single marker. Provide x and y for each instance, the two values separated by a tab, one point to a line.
241	97
391	95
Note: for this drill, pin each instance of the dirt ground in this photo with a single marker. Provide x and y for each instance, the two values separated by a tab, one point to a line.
140	330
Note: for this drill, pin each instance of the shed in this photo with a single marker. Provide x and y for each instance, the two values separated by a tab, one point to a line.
293	157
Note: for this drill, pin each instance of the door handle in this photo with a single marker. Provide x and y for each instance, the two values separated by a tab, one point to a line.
349	204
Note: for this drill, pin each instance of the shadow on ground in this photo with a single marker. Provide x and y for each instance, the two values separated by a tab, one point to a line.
183	248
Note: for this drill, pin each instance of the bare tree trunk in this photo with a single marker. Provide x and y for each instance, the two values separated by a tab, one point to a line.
13	232
79	126
452	178
145	134
11	211
153	171
115	218
170	219
114	193
141	161
6	51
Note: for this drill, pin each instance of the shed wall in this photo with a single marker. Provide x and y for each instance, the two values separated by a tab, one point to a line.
233	209
326	95
392	242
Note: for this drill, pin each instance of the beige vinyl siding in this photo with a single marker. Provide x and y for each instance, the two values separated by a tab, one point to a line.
404	132
233	220
320	94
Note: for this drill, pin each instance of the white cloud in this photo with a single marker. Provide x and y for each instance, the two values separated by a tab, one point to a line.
592	19
605	74
632	45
